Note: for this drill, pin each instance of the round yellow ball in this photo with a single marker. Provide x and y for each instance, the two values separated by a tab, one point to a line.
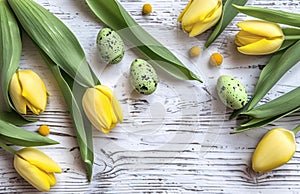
147	9
44	130
216	59
194	51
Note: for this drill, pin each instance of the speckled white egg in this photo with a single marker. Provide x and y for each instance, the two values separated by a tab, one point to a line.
143	77
231	92
110	46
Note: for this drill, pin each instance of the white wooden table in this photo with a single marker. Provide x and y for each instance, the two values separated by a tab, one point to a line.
174	141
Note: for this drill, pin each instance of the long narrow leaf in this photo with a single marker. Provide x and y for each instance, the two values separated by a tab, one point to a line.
228	13
10	48
260	122
55	39
22	137
278	106
116	17
267	71
271	15
289	32
274	73
15	118
10	53
84	136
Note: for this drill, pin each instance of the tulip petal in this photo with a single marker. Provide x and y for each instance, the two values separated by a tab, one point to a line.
243	38
214	15
39	159
198	11
117	110
108	93
52	179
105	90
261	28
209	22
275	149
36	97
98	108
262	47
184	10
187	28
37	178
34	110
114	102
15	92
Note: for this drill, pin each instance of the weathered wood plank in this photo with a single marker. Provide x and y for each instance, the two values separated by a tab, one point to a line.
174	141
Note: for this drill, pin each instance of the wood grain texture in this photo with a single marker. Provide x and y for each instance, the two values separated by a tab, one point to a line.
174	141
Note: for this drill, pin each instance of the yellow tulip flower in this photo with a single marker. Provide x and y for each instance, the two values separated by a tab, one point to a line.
200	15
102	108
36	168
276	148
27	89
258	37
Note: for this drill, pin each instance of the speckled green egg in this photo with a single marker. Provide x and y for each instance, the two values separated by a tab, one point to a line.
231	92
110	46
143	77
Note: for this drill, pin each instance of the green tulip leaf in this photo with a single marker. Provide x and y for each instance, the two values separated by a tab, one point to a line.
10	49
260	122
55	39
228	13
278	106
286	44
82	130
112	14
279	64
267	70
15	118
287	33
271	15
22	137
291	31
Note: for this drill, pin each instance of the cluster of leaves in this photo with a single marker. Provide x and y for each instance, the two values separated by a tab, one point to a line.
281	61
10	53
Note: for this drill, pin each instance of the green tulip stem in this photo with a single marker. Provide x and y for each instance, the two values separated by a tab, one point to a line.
296	130
292	37
7	148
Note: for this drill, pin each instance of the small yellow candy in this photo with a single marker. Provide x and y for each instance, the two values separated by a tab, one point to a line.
216	59
194	51
147	9
44	130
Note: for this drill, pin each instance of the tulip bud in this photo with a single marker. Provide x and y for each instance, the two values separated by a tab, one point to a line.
102	108
36	168
276	148
27	89
200	15
259	37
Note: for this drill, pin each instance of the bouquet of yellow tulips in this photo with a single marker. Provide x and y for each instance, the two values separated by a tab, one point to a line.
18	95
78	83
90	103
56	43
262	37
